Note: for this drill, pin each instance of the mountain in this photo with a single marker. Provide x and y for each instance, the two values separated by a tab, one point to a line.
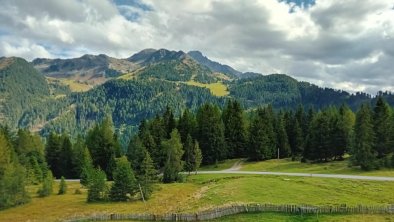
140	87
90	69
150	56
24	93
214	66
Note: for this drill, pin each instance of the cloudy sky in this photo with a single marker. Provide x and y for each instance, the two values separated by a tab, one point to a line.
345	44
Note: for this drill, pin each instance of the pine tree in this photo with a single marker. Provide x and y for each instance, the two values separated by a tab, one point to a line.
187	125
234	129
86	168
97	188
363	153
125	184
381	124
259	141
188	155
102	144
174	151
66	159
53	153
211	134
148	175
136	154
169	121
197	156
62	186
282	139
12	176
79	155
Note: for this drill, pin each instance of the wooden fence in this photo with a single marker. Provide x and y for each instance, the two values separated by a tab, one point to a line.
237	209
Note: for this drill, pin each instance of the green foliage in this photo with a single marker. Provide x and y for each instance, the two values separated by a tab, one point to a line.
125	184
147	176
103	146
62	186
211	133
174	151
234	129
97	187
192	155
47	186
381	123
86	168
12	176
363	153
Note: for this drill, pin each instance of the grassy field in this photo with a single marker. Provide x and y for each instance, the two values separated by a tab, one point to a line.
217	89
207	191
336	167
274	217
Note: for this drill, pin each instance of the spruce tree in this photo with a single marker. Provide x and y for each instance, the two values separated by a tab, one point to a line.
125	184
363	153
197	156
86	168
211	134
381	126
148	175
187	125
97	187
282	138
66	159
234	129
174	152
259	141
136	154
53	151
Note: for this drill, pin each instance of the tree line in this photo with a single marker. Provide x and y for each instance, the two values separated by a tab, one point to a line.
168	145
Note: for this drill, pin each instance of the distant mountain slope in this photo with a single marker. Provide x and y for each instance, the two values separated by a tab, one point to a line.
150	56
214	66
90	69
23	93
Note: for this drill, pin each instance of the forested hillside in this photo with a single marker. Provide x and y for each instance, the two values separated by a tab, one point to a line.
141	86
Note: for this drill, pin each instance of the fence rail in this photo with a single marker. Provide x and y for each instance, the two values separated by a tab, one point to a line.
237	209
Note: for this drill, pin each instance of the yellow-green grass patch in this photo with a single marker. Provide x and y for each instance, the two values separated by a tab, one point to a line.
334	167
217	88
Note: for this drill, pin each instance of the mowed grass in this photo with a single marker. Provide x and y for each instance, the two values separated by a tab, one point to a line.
274	217
335	167
201	192
217	89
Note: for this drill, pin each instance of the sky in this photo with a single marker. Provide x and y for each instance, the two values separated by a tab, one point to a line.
343	44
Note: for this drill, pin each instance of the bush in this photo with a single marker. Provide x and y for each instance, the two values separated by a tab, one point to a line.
47	186
62	187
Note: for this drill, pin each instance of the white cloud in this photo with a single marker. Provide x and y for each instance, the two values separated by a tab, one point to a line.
341	44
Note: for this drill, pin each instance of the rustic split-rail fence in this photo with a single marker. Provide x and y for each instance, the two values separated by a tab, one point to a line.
237	209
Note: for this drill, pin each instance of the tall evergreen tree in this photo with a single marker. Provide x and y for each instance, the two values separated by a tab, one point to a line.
211	134
187	125
97	187
261	143
66	159
53	151
102	145
234	129
136	154
169	121
12	176
147	176
174	152
125	184
381	126
282	138
363	153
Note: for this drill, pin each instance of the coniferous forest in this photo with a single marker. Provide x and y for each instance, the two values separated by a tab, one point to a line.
169	144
